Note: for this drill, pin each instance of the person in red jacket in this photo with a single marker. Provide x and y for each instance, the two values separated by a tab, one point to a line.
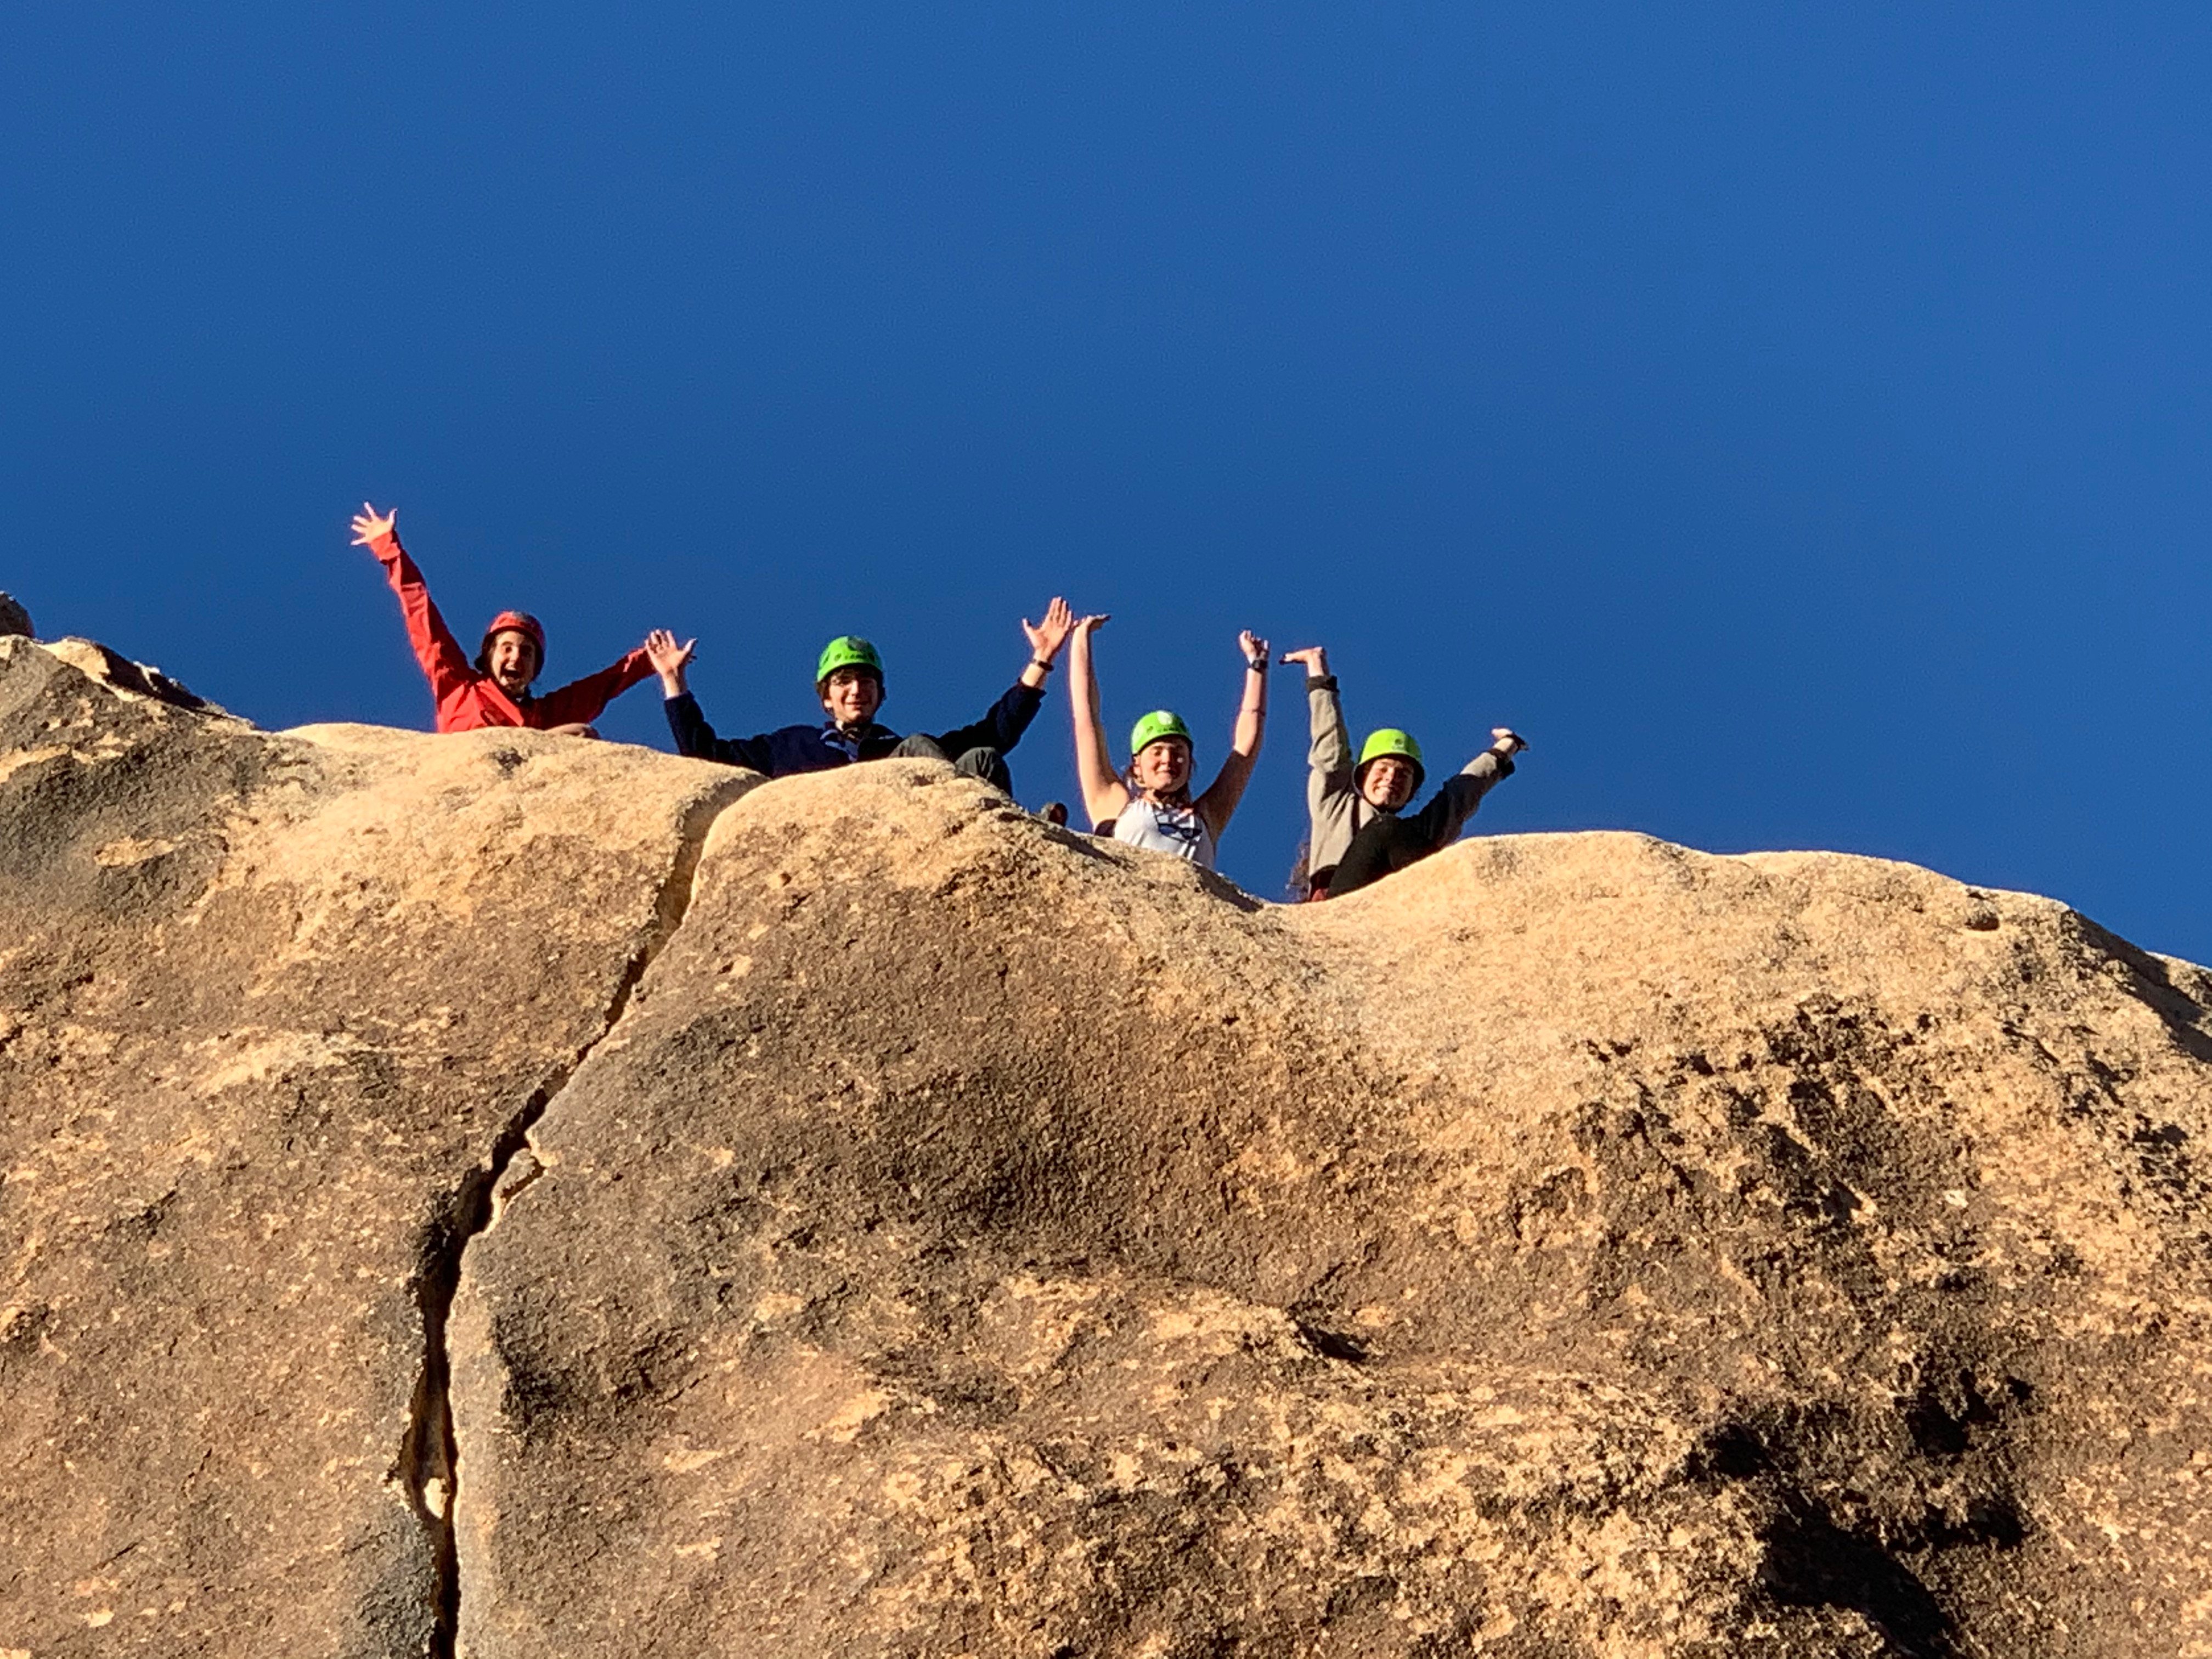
494	689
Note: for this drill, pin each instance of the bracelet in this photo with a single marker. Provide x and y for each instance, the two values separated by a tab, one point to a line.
1257	665
1039	662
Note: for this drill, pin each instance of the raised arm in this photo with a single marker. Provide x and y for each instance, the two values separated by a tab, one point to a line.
1218	803
670	659
581	701
1105	797
1002	728
1328	747
1046	638
1438	825
443	663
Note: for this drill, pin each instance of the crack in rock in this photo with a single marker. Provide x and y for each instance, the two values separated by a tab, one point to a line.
428	1465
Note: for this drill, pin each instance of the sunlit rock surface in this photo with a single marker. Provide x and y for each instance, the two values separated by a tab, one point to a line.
963	1238
267	1005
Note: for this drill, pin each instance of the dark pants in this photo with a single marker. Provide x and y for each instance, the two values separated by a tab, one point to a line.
987	764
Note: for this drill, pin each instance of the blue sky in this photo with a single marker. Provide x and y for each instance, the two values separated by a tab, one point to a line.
1794	420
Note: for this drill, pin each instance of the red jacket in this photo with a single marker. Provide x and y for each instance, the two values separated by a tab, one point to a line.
468	699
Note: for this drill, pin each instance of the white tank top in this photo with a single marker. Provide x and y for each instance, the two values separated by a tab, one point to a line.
1163	829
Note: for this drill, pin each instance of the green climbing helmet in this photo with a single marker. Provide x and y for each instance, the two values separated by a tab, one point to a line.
1391	741
847	651
1160	723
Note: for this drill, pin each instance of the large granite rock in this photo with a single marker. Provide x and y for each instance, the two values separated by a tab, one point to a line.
878	1224
974	1240
268	1007
131	679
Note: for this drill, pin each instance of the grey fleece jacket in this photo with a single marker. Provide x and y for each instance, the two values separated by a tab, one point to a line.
1335	812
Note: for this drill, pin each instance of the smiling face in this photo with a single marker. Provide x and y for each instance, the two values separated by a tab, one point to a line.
1162	766
511	659
1388	782
852	696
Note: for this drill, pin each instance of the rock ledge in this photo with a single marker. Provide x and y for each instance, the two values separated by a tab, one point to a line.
504	1195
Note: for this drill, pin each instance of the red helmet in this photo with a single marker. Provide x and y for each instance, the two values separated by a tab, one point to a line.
521	621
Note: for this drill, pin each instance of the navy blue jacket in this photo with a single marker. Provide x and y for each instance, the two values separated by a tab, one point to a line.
818	748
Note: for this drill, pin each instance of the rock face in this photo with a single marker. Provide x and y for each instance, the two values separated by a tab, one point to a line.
893	1226
267	1006
132	679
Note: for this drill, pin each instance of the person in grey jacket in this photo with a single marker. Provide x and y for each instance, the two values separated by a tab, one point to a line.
1347	798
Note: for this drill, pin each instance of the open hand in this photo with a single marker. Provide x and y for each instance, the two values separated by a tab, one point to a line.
1047	637
668	660
1314	657
1086	626
368	527
665	655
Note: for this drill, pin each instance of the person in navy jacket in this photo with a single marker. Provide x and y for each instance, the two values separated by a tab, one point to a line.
849	682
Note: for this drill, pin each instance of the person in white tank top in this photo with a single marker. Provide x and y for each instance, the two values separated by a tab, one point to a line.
1151	804
1159	827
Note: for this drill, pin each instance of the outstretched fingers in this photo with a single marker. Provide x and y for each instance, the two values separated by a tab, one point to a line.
369	524
663	651
1047	637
